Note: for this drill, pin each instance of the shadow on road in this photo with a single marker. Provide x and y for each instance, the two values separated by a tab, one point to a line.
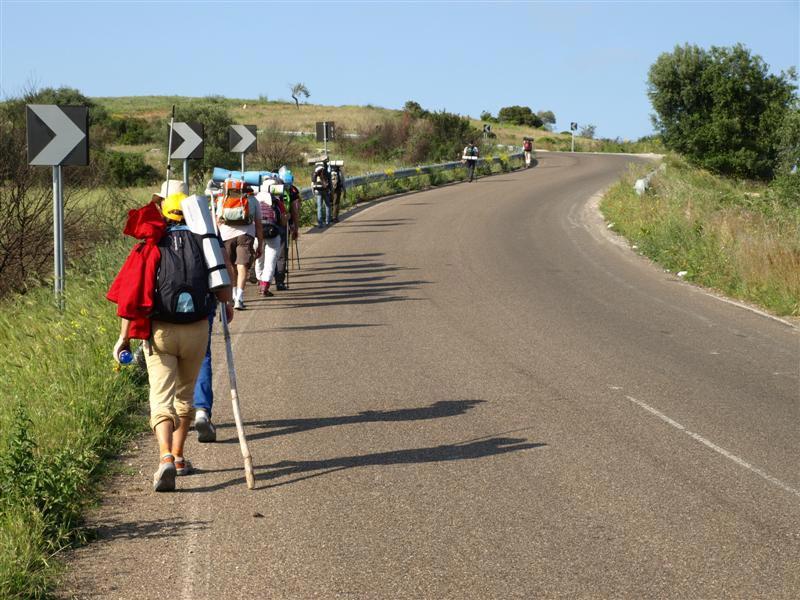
447	452
159	528
437	410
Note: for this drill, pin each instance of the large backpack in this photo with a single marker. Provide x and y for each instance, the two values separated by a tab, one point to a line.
319	180
470	151
336	179
270	219
527	146
182	294
235	209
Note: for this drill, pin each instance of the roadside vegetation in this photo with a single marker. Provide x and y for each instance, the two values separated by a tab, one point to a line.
735	236
64	409
725	213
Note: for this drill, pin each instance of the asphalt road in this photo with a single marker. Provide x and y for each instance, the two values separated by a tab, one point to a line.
474	392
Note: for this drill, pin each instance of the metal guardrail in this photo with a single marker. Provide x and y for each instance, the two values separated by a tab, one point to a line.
307	193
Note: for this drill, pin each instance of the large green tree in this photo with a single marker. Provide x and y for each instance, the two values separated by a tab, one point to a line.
721	108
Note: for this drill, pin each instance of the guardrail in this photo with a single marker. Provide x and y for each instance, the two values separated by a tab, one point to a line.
361	180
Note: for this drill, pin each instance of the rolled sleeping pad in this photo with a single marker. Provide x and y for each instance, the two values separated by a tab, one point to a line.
198	218
249	177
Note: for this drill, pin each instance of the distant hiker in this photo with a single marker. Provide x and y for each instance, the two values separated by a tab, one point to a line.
470	159
527	150
273	221
291	200
162	297
321	185
239	218
337	190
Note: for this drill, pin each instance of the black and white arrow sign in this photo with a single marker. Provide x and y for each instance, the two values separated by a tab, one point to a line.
187	141
57	135
242	138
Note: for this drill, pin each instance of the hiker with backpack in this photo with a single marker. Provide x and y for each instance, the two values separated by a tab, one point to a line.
163	295
239	219
337	190
320	182
527	149
470	159
291	200
273	223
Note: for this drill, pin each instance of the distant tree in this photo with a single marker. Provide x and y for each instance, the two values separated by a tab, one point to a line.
721	108
487	116
548	117
415	109
587	131
299	89
519	115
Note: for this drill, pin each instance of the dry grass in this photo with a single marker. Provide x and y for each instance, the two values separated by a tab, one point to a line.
728	235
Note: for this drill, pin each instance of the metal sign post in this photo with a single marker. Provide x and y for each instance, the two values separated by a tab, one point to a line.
573	127
56	136
242	138
326	131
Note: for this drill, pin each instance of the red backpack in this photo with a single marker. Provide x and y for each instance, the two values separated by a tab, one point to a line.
527	146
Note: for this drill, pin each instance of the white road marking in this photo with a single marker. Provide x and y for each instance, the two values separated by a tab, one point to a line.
715	448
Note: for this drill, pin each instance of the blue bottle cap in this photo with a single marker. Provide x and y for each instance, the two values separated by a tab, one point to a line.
125	357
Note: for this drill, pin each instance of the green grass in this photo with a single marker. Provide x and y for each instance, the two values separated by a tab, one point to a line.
733	236
63	409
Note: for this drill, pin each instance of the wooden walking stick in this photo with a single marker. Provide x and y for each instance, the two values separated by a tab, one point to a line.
237	415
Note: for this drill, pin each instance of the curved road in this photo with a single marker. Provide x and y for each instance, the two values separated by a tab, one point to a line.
473	392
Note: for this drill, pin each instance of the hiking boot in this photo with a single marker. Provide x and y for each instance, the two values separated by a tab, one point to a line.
182	467
206	432
282	287
164	477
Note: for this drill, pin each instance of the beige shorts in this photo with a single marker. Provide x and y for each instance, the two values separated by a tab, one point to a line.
174	355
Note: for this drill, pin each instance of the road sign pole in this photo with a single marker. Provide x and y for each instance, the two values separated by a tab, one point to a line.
186	171
242	162
58	237
573	141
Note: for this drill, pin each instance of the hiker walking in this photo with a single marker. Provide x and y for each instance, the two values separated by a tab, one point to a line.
321	185
239	219
291	200
163	297
273	222
470	159
337	190
527	150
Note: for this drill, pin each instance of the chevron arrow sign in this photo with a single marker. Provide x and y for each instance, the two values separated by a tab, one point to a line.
57	135
242	138
187	141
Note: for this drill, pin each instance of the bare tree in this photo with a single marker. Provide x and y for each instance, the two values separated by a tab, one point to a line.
299	89
587	131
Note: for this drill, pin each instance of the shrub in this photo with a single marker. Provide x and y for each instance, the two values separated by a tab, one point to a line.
216	120
127	169
276	149
519	115
721	108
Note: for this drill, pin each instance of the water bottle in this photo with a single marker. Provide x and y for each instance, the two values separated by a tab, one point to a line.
125	357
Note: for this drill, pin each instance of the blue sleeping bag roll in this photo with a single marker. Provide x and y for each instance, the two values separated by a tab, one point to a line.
249	177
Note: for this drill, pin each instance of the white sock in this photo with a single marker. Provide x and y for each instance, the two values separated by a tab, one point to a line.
237	293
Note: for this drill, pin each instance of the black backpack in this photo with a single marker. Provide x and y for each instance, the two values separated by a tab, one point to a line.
182	294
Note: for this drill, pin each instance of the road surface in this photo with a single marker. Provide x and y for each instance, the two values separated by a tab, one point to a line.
473	392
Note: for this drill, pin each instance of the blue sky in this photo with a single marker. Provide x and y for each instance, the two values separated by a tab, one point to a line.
585	61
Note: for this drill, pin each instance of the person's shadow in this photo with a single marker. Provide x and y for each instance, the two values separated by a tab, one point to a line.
470	450
446	452
437	410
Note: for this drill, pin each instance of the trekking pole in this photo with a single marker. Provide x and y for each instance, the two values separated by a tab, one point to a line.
297	253
237	416
286	246
169	151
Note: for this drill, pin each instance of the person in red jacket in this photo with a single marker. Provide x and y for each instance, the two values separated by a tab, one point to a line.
162	297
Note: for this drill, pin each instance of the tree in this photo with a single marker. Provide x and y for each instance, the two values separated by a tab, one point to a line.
721	108
299	89
487	116
587	131
519	115
415	109
547	117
